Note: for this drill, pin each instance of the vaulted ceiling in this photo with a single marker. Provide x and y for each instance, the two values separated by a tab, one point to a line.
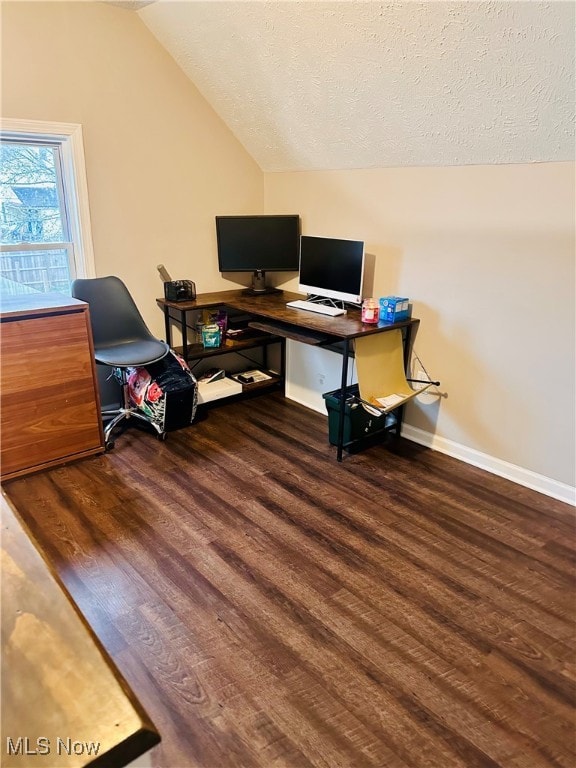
336	85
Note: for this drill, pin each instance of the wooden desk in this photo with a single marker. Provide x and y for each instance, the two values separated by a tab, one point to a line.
50	408
272	315
64	704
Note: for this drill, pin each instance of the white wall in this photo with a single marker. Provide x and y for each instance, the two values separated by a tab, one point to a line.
486	254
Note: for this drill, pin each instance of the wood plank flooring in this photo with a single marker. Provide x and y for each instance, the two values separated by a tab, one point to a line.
271	607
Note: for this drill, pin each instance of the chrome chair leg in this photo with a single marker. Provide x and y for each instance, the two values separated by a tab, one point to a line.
127	411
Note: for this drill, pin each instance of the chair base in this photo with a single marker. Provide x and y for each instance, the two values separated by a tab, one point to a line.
119	415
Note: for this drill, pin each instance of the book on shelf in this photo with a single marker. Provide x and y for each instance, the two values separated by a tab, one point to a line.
254	376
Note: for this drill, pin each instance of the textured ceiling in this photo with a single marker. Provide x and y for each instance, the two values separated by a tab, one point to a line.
335	85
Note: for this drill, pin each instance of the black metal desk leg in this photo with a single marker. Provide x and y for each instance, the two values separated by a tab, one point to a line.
345	356
167	329
283	364
184	334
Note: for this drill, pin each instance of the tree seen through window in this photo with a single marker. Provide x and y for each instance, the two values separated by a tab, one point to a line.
37	252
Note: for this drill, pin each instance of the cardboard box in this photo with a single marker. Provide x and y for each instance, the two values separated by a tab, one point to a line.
214	390
393	309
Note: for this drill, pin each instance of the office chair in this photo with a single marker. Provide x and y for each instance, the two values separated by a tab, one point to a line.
121	340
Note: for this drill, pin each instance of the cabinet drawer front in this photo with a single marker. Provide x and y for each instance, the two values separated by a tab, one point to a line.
48	396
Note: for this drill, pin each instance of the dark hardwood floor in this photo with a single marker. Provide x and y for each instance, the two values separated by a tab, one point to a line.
271	607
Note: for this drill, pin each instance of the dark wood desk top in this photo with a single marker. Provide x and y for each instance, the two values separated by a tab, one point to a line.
273	306
60	690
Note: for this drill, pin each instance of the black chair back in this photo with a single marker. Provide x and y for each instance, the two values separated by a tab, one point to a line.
121	337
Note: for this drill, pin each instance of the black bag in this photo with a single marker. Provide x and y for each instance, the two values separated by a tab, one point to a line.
165	391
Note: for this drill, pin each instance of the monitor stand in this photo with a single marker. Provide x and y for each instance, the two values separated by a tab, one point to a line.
259	287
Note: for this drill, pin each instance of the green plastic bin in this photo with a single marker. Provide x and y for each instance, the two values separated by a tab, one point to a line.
358	423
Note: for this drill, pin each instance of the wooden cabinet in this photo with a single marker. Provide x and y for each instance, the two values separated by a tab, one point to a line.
49	404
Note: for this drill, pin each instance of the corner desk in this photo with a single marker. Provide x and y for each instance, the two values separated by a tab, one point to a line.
277	322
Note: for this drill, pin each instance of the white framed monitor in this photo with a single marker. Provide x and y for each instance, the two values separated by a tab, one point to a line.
331	268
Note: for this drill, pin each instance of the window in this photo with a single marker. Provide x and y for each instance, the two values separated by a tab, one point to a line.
45	240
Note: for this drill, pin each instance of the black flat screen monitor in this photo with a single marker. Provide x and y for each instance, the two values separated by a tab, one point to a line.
258	244
331	268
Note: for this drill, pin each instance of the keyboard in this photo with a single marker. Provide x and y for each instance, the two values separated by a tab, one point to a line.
321	309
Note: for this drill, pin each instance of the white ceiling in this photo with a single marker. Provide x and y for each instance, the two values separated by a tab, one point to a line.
335	85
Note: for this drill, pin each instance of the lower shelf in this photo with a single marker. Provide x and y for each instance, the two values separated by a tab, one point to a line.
227	387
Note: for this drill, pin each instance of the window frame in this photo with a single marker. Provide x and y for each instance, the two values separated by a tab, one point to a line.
70	140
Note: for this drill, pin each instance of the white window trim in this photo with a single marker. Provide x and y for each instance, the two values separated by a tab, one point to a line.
74	170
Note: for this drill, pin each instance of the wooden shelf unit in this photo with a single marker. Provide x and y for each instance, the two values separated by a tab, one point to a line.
256	339
198	352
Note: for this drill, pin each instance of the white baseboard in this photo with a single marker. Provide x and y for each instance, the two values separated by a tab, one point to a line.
306	403
525	477
144	761
516	474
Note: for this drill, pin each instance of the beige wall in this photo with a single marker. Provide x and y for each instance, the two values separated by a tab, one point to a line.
486	254
160	163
